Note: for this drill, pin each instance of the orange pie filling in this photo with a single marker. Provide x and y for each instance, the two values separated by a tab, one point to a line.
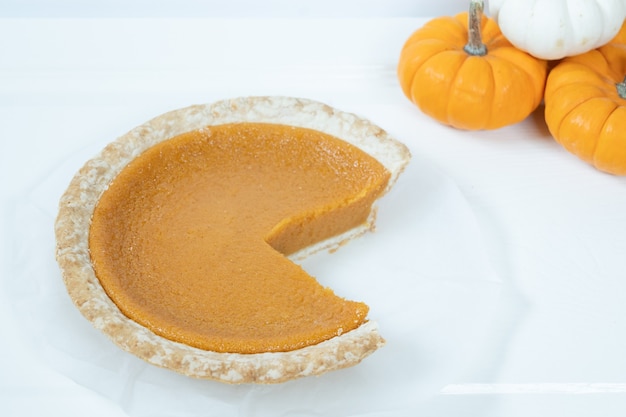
190	239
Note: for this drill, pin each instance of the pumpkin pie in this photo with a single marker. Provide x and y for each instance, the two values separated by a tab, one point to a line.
178	240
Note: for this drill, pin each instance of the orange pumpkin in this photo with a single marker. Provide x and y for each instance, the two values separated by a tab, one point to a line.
462	72
585	106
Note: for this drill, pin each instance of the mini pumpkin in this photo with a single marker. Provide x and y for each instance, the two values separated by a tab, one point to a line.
621	35
585	106
558	28
464	73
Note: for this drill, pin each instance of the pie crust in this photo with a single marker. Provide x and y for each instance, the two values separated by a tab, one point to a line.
79	200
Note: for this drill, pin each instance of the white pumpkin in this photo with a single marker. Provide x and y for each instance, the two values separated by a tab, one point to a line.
553	29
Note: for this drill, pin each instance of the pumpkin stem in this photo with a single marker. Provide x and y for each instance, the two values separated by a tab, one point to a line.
621	88
475	45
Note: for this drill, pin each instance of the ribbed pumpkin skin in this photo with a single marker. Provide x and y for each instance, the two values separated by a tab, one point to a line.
467	91
555	29
583	109
621	35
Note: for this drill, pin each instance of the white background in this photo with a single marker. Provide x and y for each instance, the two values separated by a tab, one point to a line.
231	8
75	75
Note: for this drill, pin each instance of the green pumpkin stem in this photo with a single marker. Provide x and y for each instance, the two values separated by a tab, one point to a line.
621	88
475	45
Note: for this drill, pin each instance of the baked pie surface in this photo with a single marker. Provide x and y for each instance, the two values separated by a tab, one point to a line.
162	336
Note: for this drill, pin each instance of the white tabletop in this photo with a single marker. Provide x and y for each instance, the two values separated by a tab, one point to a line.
547	233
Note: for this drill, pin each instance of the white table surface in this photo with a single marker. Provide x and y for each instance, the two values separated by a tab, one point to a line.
553	229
